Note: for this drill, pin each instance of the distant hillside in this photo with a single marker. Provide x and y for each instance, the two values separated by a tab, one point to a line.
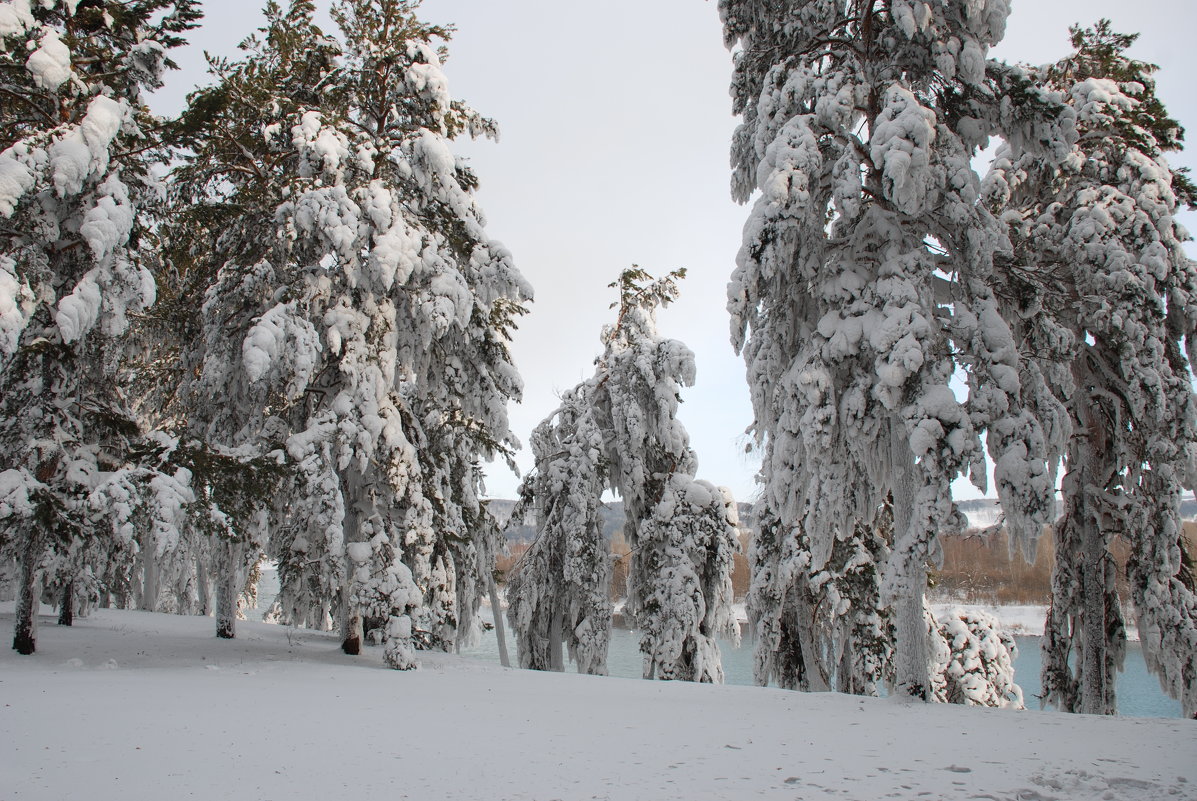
976	569
612	516
984	512
981	513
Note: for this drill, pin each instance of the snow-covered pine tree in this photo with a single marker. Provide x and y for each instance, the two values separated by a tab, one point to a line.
1107	297
977	667
76	154
358	313
560	590
682	532
827	628
864	285
223	199
682	574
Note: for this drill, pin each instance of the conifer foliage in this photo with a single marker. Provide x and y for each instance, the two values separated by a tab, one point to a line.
560	593
76	193
1107	297
619	430
681	531
865	281
356	313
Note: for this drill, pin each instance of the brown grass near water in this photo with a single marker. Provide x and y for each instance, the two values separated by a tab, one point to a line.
976	568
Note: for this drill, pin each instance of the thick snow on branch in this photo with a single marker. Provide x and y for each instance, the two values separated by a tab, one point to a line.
83	152
15	179
285	343
15	488
17	302
50	64
16	17
78	312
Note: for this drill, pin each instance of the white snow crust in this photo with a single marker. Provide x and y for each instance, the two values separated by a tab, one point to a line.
135	706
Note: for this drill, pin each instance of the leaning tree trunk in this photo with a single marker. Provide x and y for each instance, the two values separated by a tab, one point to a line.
24	639
815	675
500	631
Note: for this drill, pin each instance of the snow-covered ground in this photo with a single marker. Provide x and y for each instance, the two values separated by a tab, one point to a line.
133	705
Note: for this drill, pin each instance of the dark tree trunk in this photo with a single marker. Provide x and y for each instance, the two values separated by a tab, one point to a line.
351	626
66	607
24	639
226	616
556	661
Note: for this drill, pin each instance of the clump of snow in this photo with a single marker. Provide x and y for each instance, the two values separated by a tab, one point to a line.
979	670
84	151
77	312
902	146
15	486
107	224
16	305
15	17
50	64
282	337
15	181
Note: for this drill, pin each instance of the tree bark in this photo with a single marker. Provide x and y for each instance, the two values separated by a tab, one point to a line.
556	660
1095	689
350	619
1091	447
24	639
912	676
66	607
351	636
500	632
202	588
227	589
910	648
149	574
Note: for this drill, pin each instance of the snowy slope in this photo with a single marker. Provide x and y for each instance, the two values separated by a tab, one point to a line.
132	705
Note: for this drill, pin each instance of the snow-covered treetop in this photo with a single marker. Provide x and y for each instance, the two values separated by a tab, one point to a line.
73	168
356	314
640	377
1105	294
865	280
364	194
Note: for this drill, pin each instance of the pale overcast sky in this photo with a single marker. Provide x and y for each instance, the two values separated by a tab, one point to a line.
616	122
